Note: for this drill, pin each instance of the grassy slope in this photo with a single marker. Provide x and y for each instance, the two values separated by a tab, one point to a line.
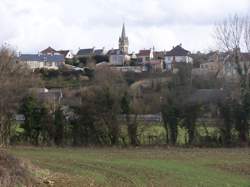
143	167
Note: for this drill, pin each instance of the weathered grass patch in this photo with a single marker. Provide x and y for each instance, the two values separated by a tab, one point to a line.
142	167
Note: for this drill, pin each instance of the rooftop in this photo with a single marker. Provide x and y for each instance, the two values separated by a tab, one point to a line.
177	51
144	52
83	52
41	58
48	50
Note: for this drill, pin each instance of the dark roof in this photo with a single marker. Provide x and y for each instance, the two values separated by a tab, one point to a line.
145	52
41	58
63	52
99	52
177	51
48	50
83	52
115	52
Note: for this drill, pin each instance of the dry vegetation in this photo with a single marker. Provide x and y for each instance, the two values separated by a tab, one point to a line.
14	172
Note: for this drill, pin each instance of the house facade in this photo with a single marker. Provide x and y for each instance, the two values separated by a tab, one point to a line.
38	61
118	58
145	55
68	54
155	65
177	55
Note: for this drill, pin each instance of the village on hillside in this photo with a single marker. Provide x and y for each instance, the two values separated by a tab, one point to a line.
89	101
148	68
145	60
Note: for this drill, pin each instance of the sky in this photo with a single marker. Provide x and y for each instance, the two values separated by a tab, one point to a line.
32	25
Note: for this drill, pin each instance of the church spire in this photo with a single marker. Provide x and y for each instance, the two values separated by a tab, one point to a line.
123	41
123	31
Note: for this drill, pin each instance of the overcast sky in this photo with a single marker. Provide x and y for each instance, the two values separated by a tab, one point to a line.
31	25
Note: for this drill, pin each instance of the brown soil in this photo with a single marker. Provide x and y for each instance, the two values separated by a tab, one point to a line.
241	168
13	172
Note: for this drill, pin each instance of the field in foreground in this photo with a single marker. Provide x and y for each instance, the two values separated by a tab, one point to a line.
141	167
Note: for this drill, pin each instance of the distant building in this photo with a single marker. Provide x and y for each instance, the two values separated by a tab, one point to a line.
229	67
123	41
155	65
19	118
66	53
36	61
48	51
177	55
120	57
100	52
48	95
85	53
210	66
145	56
159	54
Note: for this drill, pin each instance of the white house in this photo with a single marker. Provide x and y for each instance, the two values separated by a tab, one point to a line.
37	61
118	58
177	55
68	54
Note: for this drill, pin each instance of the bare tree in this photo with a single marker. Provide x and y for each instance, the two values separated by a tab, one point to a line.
247	33
14	81
229	33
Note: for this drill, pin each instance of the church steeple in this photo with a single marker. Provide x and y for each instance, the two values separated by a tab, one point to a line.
123	41
123	31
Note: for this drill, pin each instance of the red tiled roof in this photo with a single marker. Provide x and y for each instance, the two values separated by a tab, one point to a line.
144	53
48	50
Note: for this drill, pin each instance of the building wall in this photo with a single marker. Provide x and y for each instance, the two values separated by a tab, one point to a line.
69	55
117	59
210	66
169	60
46	65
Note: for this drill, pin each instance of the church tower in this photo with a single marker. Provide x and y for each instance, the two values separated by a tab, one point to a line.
123	41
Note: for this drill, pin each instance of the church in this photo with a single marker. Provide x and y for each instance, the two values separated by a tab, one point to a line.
123	41
120	57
